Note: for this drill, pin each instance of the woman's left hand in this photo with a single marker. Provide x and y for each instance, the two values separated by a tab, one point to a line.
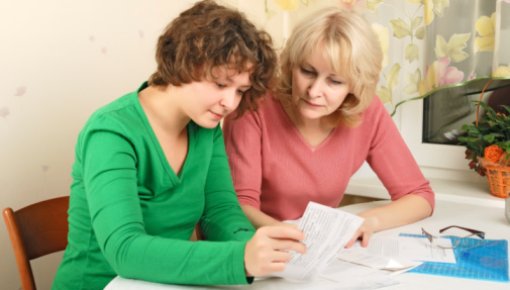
364	232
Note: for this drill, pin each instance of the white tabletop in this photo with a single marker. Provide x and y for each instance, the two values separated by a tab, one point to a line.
489	219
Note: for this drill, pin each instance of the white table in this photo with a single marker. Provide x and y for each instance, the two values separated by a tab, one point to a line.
487	218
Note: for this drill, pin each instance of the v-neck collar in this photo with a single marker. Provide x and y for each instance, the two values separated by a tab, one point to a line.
176	177
296	133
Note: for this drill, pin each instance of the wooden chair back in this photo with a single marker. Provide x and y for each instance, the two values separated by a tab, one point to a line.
36	230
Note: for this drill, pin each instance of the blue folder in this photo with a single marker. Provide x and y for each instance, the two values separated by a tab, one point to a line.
476	259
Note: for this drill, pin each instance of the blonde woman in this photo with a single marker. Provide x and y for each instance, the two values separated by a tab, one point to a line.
307	139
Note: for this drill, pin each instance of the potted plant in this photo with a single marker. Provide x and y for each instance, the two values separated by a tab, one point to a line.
488	148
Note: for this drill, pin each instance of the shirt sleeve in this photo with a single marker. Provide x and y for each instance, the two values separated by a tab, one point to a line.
116	215
243	139
223	218
391	159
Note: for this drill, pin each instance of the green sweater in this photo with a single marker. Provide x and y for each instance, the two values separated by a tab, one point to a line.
131	215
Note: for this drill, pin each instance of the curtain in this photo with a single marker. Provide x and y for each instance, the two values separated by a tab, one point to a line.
447	47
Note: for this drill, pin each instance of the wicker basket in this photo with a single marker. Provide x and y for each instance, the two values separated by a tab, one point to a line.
498	175
499	180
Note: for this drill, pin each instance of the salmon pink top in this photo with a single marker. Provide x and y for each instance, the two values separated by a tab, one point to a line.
275	170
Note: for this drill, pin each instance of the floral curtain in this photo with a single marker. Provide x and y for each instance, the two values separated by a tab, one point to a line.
431	45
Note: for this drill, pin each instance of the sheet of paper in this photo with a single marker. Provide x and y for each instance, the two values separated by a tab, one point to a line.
362	256
410	249
326	230
353	276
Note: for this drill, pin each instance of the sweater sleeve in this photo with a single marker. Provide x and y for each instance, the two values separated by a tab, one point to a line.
391	159
110	180
243	139
223	218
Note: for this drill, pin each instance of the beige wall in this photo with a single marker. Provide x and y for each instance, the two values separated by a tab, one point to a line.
59	61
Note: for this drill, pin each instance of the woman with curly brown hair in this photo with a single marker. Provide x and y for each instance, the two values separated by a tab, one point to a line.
151	165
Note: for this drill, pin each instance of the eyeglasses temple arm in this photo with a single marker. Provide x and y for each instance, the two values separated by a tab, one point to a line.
472	231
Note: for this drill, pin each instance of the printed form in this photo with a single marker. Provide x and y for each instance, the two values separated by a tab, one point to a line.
327	231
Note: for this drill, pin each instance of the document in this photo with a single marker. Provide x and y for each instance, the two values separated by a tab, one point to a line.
400	253
364	257
420	249
353	276
327	231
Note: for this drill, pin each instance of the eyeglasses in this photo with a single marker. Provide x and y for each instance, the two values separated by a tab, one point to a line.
451	241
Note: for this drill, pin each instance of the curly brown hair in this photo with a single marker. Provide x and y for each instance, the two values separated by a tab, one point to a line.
209	35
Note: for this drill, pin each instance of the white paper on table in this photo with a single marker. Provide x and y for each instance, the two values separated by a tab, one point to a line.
409	248
352	276
361	256
326	230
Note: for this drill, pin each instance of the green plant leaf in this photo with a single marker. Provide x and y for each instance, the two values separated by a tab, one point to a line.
492	128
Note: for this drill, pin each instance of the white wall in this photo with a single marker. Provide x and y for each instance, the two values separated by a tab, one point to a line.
59	61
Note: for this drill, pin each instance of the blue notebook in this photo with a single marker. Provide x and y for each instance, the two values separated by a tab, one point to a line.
476	259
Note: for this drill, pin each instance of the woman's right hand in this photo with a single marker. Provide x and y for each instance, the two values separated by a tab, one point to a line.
269	249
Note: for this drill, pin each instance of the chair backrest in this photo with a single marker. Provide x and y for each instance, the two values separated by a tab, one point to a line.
36	230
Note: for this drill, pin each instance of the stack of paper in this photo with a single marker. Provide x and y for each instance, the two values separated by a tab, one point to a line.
327	231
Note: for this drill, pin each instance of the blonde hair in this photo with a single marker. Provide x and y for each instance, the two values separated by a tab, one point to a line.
345	39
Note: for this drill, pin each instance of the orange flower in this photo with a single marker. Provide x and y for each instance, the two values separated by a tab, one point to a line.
492	153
